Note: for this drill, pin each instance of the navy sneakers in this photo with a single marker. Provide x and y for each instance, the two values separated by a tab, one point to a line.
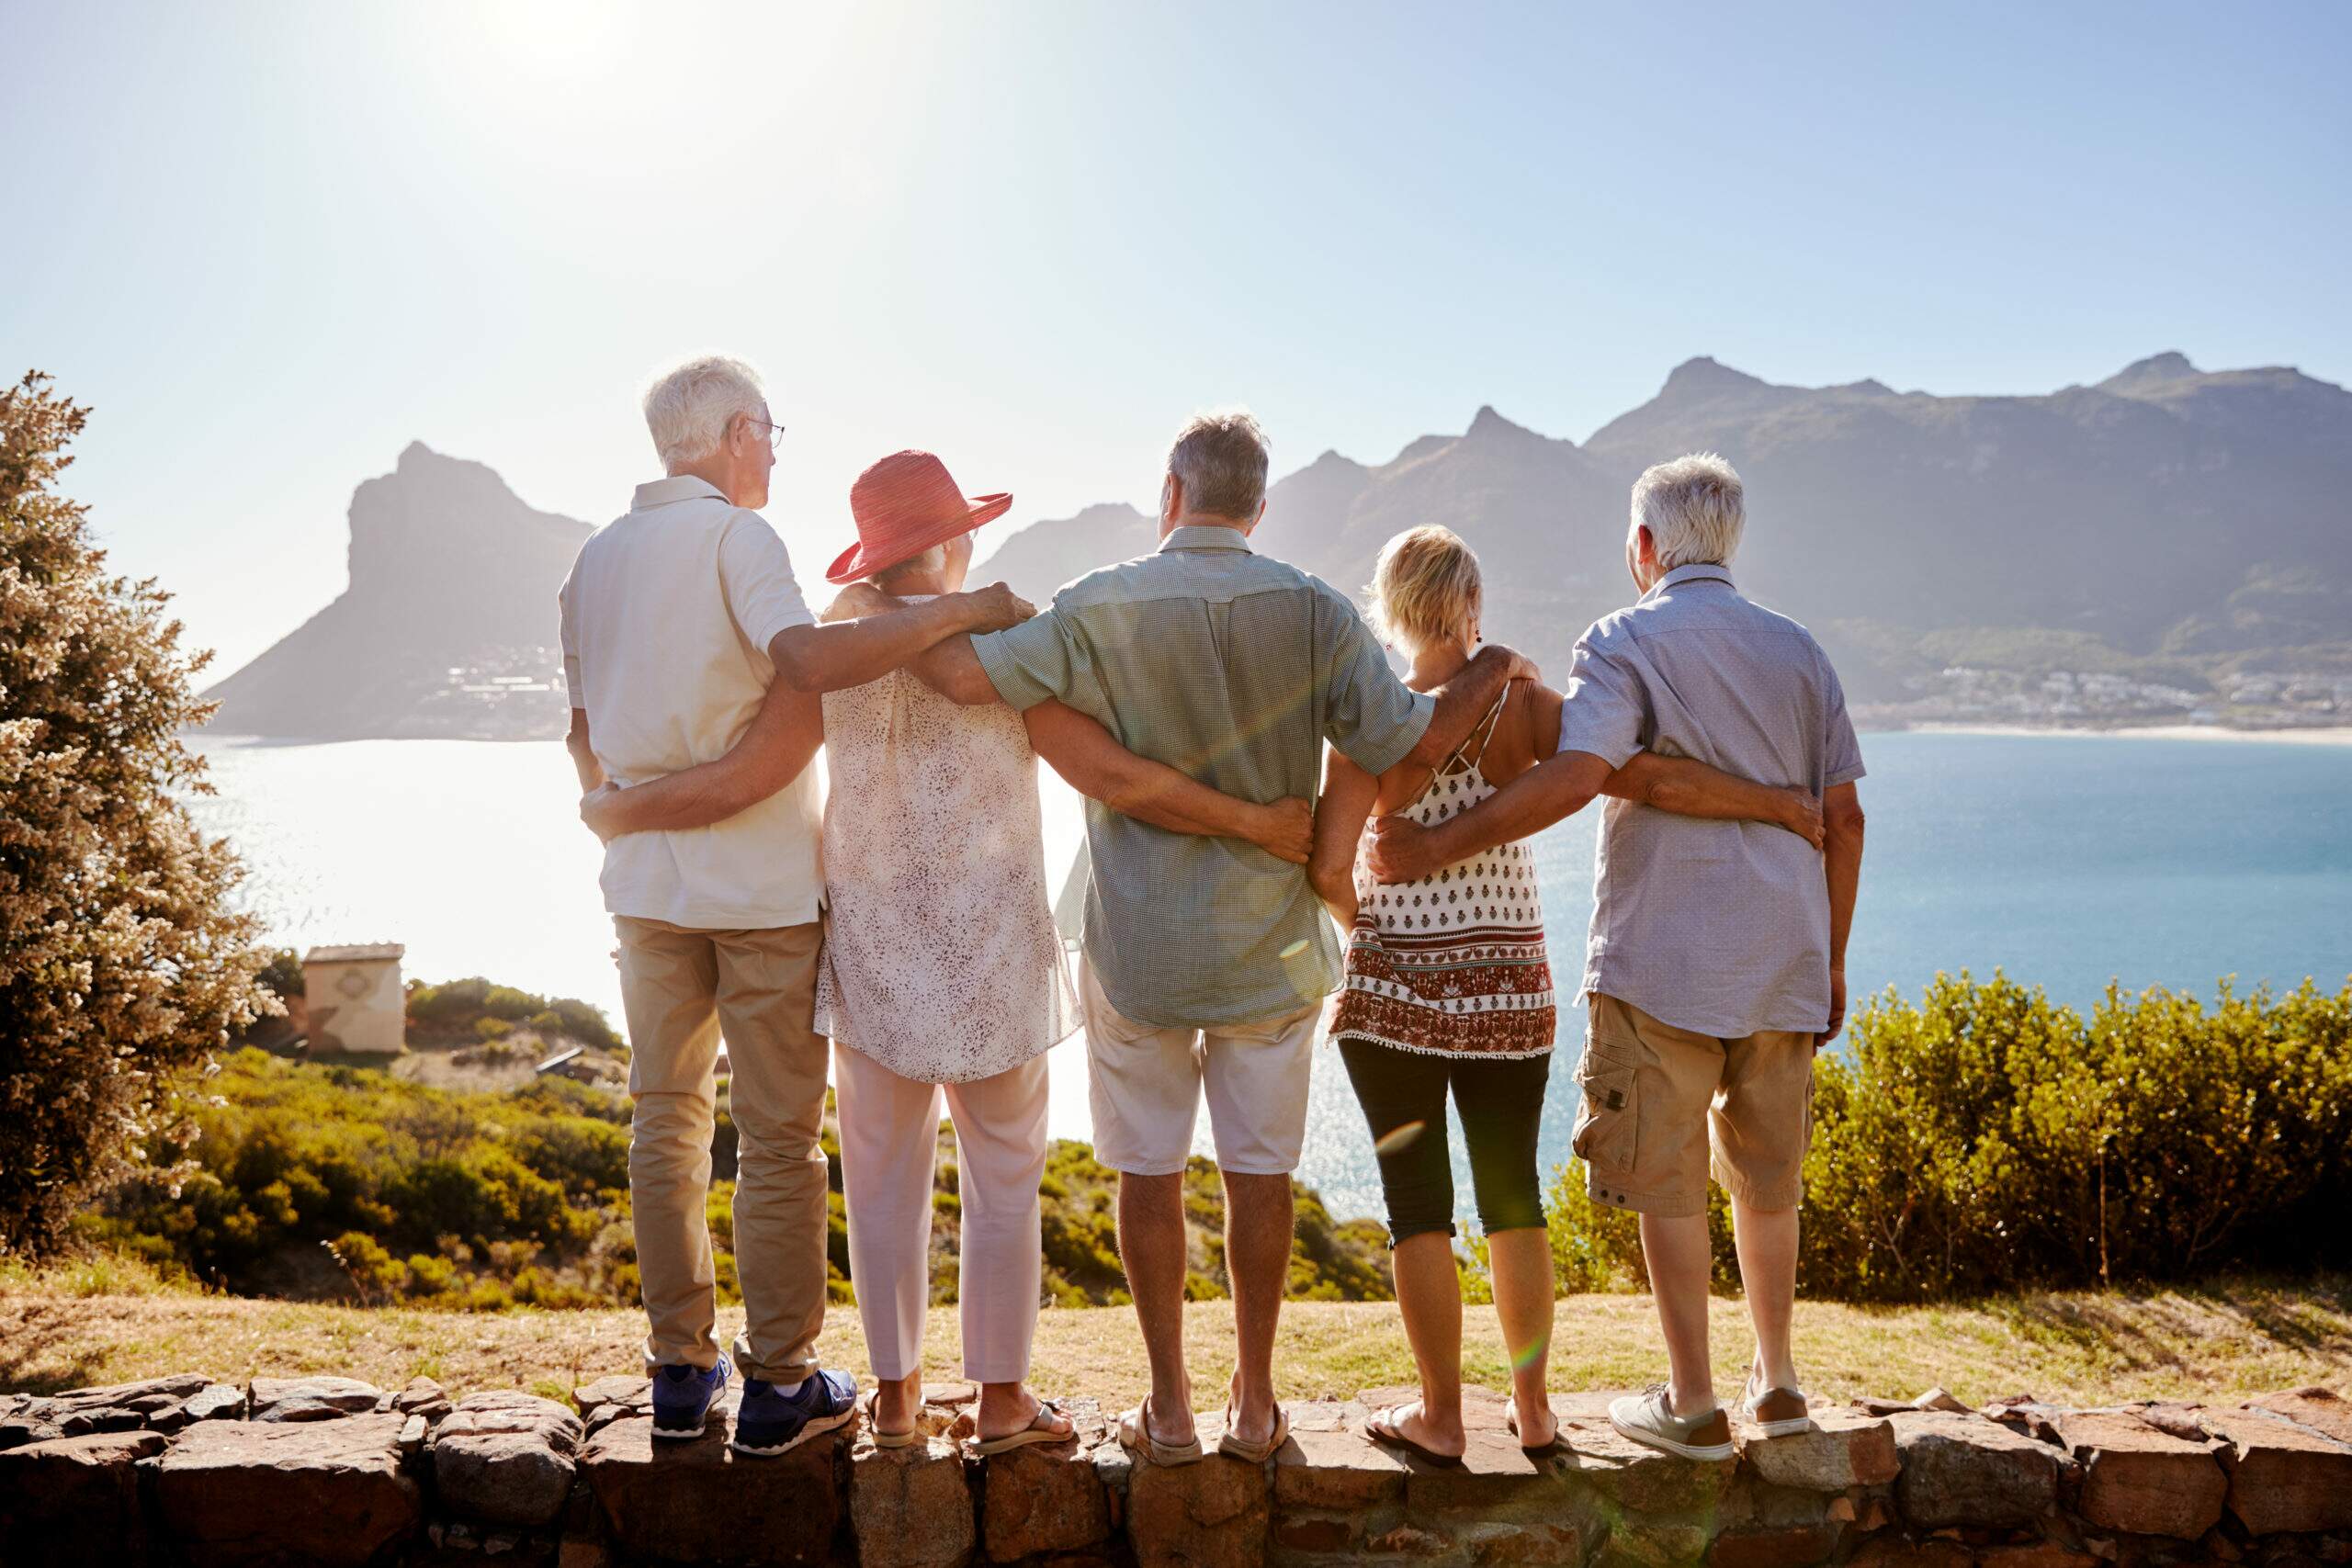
683	1397
769	1423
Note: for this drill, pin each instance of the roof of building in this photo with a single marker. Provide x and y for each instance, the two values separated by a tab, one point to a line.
353	954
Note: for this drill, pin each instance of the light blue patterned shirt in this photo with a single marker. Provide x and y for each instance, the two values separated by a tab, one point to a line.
1233	667
1720	928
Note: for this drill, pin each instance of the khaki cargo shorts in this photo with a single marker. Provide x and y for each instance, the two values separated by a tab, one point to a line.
1657	1101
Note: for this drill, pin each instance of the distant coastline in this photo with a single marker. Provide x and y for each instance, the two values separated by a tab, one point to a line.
2304	735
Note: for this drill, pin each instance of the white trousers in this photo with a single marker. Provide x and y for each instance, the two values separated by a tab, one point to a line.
889	1133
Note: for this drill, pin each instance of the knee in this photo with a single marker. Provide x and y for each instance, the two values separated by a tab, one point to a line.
1522	1208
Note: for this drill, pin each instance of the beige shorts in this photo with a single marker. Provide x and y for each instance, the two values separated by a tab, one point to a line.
1144	1083
1662	1106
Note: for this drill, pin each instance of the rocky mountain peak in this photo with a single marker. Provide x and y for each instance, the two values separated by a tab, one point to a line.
2170	366
1705	377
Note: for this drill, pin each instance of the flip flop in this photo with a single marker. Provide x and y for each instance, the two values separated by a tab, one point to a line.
1558	1442
1382	1431
1036	1432
882	1439
1134	1436
1254	1453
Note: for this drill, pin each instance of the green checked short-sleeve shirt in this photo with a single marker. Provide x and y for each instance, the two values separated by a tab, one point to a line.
1235	669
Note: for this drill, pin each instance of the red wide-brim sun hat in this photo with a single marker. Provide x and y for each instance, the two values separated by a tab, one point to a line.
904	504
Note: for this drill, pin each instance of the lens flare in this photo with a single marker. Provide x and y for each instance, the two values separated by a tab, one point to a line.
1399	1137
1295	949
1528	1355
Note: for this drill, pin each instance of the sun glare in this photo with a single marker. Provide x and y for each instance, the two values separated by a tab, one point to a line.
553	39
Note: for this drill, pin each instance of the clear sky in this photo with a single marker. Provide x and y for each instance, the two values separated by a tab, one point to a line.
273	243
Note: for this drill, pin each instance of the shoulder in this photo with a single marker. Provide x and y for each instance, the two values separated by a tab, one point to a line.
740	523
1613	630
1528	732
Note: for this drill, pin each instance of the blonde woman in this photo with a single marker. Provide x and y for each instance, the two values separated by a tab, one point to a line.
1449	991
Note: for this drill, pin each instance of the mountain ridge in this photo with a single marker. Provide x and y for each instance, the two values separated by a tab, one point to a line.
2183	531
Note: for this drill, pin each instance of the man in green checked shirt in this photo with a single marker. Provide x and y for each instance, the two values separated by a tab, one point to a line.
1207	959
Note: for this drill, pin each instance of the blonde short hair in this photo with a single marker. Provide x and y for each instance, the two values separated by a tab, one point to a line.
1426	588
1695	509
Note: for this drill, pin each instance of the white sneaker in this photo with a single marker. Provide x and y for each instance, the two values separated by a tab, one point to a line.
1774	1412
1647	1419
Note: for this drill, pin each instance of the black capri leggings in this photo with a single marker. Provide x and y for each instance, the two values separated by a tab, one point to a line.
1501	1102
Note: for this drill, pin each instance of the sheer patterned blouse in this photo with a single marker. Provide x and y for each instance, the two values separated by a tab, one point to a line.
942	963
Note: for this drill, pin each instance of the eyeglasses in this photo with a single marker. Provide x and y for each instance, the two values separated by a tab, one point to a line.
775	431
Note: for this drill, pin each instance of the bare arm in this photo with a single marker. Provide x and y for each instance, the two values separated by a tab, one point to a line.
1093	763
1348	794
783	737
1464	700
1558	787
1842	860
583	756
1690	788
840	654
948	666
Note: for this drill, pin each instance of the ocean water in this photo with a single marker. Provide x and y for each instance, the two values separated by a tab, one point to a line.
2067	861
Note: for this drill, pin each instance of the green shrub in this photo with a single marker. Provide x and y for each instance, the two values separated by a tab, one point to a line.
491	1028
458	1008
283	974
1985	1139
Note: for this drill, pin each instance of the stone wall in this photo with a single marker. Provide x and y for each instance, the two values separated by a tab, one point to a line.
323	1470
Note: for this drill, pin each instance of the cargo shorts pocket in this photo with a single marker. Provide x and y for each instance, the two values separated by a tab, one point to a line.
1607	1113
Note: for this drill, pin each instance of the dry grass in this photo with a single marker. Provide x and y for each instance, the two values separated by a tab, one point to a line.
86	1324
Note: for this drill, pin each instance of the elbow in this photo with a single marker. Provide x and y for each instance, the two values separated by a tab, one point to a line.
1843	828
1664	792
1334	884
800	675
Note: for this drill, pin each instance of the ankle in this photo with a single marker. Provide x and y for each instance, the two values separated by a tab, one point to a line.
1684	1404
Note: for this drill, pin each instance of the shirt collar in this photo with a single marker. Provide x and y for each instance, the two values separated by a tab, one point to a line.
1697	572
1205	536
677	487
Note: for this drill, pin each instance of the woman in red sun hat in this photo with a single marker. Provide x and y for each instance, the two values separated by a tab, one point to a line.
942	974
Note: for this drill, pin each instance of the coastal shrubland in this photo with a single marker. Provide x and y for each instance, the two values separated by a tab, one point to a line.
1987	1139
335	1182
1980	1139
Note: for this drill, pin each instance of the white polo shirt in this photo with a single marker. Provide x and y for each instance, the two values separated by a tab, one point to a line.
667	617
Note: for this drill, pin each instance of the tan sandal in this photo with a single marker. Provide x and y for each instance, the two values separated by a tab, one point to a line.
1254	1453
1036	1432
880	1439
1134	1436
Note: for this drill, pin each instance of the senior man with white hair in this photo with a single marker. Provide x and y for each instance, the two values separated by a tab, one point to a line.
676	619
1717	965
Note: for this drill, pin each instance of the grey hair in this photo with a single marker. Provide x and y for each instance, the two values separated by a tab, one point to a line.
914	565
689	407
1221	459
1694	508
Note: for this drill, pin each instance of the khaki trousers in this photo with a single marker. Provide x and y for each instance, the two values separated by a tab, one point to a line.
889	1133
682	990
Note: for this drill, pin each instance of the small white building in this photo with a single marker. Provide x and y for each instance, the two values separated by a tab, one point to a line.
354	1001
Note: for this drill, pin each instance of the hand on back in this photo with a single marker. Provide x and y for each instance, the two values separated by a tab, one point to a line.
1400	850
1289	831
597	809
